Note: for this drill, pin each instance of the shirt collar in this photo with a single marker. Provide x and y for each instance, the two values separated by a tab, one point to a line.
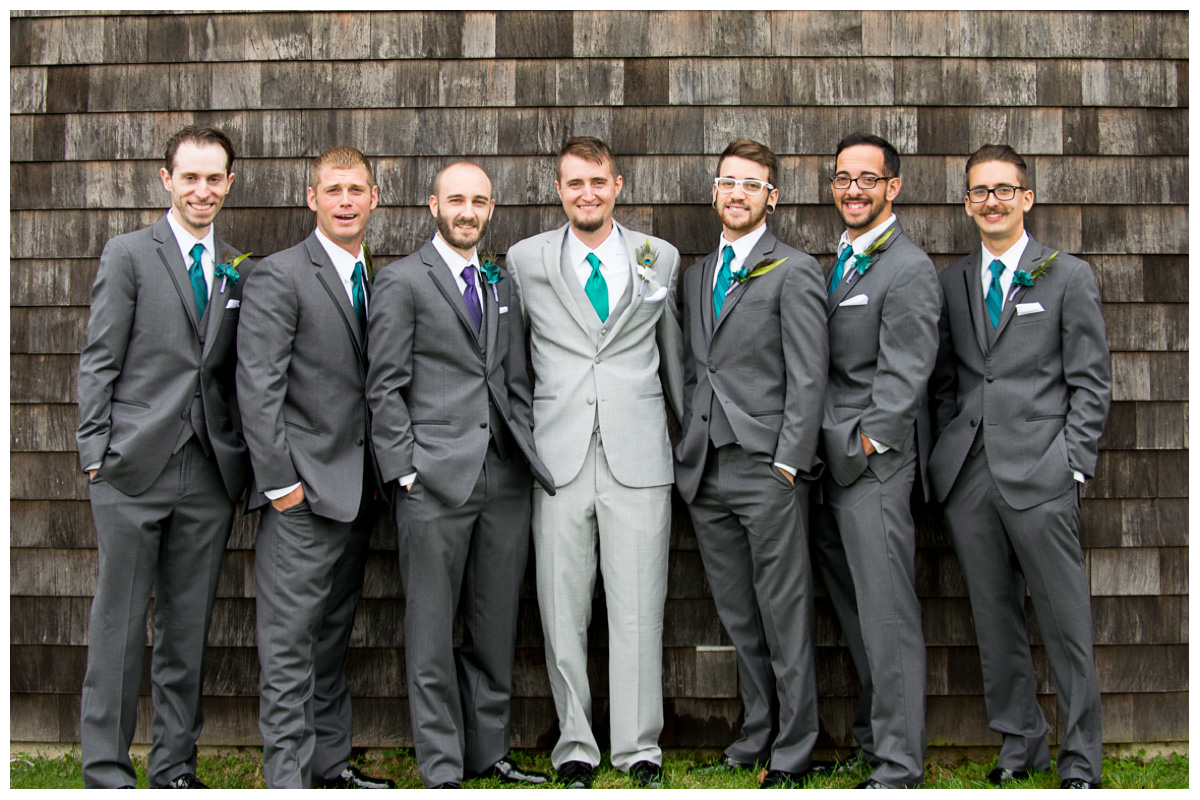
742	247
867	239
1010	257
342	260
452	257
187	241
609	251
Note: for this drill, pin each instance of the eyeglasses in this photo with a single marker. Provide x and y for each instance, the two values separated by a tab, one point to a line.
749	185
865	182
980	194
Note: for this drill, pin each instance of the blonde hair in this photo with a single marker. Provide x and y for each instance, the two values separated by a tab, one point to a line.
339	157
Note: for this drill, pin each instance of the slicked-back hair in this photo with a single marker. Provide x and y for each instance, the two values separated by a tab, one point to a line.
589	148
998	152
751	150
340	157
199	135
891	157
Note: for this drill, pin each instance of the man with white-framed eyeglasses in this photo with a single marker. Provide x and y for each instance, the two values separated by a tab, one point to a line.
882	306
754	363
1019	398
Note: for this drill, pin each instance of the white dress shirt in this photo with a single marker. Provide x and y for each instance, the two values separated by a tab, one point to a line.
741	251
614	261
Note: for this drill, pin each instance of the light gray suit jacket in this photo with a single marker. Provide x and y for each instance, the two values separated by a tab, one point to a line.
881	353
146	358
1041	390
432	376
302	372
764	362
622	381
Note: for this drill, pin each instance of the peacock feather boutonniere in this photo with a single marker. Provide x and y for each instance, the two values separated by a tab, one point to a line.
645	256
863	261
745	273
227	271
491	271
367	265
1022	278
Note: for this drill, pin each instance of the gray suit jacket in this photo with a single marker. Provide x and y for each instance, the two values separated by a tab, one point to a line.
622	382
302	373
433	379
764	362
1041	390
146	358
881	353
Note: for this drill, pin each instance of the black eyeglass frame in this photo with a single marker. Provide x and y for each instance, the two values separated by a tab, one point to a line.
874	179
996	190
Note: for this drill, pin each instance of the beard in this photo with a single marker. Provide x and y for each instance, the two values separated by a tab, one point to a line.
464	240
590	225
752	220
865	220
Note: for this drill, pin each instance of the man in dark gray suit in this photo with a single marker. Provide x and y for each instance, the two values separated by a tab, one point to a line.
883	302
159	436
302	358
755	359
451	422
1020	395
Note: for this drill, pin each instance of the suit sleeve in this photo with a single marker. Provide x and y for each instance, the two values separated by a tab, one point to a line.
690	306
943	384
390	329
670	340
805	337
114	297
511	261
520	392
1086	369
266	330
908	345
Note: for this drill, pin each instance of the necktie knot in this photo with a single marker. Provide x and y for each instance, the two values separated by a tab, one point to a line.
468	275
197	252
997	267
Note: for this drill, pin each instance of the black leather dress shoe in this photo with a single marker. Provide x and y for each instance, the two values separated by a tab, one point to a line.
352	778
575	775
647	774
721	766
1077	783
871	783
1002	775
447	785
507	771
782	779
185	781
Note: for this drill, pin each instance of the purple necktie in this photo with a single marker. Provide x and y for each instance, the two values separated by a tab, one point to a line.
471	296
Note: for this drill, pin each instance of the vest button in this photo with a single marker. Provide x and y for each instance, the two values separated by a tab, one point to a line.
974	423
711	368
483	424
359	442
990	378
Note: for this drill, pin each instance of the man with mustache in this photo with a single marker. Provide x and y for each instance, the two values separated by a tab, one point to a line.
451	419
756	353
883	301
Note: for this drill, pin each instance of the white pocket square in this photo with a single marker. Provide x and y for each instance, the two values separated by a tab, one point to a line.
857	300
233	304
1029	308
658	296
503	309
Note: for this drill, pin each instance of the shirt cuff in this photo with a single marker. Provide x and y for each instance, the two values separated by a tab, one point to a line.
408	479
879	448
1078	475
91	467
275	494
789	470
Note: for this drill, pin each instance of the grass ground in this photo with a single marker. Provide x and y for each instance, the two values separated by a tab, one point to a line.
243	769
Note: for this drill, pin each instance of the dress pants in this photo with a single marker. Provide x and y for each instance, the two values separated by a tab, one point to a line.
470	559
631	529
1002	552
309	575
752	528
169	540
872	522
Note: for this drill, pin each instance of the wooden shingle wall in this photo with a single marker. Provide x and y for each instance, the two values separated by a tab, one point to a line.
1097	103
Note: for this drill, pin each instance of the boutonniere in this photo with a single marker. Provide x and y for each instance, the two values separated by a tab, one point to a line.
646	256
862	261
491	271
761	268
367	262
228	270
1023	278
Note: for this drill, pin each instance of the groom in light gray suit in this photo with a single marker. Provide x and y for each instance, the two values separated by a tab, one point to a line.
883	301
600	302
302	358
756	355
1020	395
160	438
451	418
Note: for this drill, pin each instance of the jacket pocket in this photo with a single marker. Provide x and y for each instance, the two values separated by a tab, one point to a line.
301	428
1045	416
133	403
430	422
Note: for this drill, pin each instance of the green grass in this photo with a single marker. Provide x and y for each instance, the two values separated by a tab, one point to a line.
243	769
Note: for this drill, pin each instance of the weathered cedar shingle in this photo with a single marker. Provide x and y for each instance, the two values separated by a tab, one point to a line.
534	34
966	81
479	34
1168	376
1129	83
910	33
1120	429
1172	472
27	90
646	82
612	34
1146	326
740	33
816	33
42	428
1165	279
1140	131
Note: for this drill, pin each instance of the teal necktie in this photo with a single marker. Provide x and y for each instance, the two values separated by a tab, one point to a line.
724	278
838	268
358	295
196	273
596	289
995	295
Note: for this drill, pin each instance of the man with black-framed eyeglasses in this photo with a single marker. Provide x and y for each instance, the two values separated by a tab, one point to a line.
1019	398
882	306
755	353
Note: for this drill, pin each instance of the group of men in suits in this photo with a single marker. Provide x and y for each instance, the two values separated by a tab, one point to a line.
802	401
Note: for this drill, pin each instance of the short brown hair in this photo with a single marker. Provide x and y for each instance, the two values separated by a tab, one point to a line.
339	157
999	152
589	148
751	150
199	135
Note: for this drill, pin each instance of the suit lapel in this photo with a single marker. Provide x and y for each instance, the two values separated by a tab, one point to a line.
1033	252
850	275
635	283
762	249
439	273
328	276
707	268
172	261
218	297
973	285
552	263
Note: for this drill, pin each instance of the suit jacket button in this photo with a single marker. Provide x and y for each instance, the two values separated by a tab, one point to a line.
591	401
197	393
483	424
974	422
990	378
603	331
704	417
183	414
596	359
359	442
711	368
